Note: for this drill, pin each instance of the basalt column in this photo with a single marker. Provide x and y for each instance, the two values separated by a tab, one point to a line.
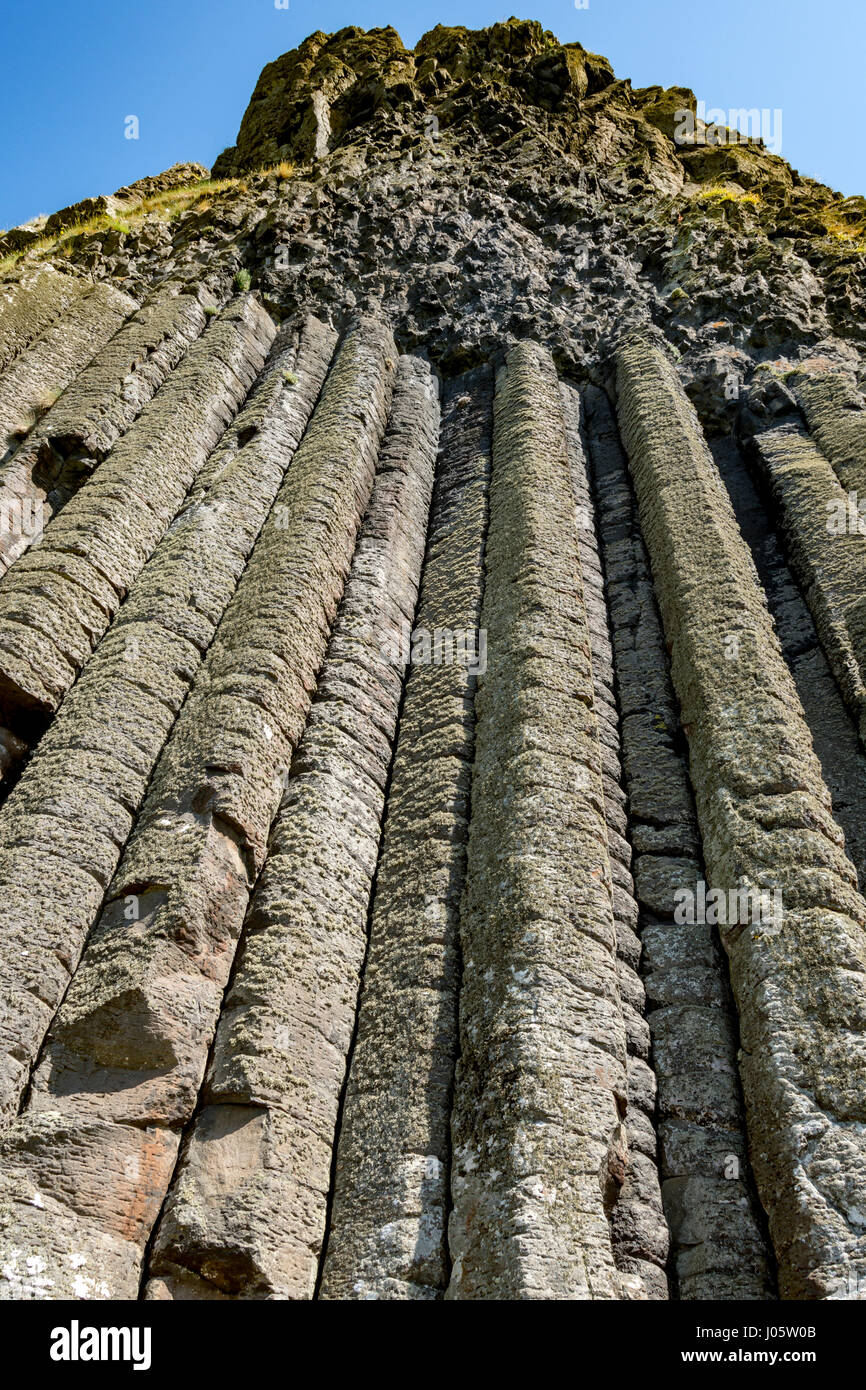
31	304
834	730
61	596
835	412
689	1084
63	828
272	1094
76	433
640	1232
43	370
387	1235
827	553
127	1052
541	1091
766	819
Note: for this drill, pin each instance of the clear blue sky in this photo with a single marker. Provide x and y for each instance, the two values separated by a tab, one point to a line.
74	69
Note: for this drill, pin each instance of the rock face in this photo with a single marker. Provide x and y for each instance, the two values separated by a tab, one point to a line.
433	702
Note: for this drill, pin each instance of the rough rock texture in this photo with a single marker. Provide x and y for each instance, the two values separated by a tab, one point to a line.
638	1225
692	1089
390	1210
830	567
835	411
383	791
29	303
76	433
131	1039
68	818
35	379
766	818
541	1089
277	1072
63	594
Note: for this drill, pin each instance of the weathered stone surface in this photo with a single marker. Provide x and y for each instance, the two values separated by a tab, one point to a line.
827	552
101	403
130	1042
836	414
834	732
63	828
387	1235
161	676
76	1202
60	597
178	176
33	382
278	1066
542	1033
491	184
639	1230
30	303
309	100
103	205
682	966
765	816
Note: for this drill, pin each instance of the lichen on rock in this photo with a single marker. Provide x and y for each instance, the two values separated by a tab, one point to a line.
431	620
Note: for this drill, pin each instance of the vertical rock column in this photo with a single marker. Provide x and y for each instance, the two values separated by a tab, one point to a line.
76	433
276	1077
36	378
387	1236
766	819
835	412
834	732
691	1087
59	598
129	1046
640	1233
539	1144
63	828
30	304
827	553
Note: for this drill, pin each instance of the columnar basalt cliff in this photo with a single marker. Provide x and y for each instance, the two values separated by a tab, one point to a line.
433	702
